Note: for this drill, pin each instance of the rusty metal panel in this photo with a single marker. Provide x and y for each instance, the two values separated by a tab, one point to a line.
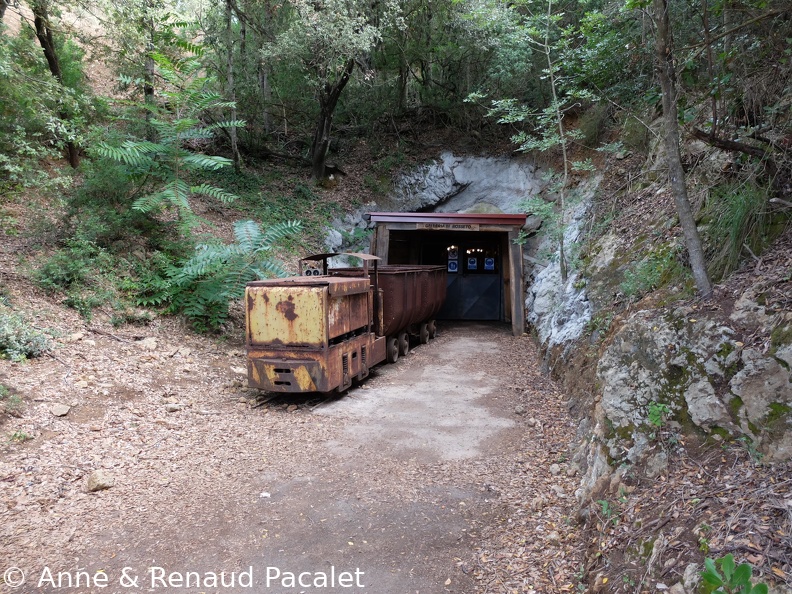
286	315
347	286
346	314
281	375
335	286
512	220
410	293
314	370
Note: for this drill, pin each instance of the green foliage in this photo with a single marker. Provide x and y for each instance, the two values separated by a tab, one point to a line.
595	58
657	412
19	436
37	114
601	322
202	287
19	340
737	218
91	277
277	203
72	265
168	159
609	511
726	578
593	123
659	268
11	403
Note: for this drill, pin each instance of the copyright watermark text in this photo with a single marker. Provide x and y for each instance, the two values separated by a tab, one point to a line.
161	578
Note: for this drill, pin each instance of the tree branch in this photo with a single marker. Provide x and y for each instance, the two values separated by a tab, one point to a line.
730	145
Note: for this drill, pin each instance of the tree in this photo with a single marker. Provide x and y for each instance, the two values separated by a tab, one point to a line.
666	74
231	87
325	37
43	29
188	95
542	35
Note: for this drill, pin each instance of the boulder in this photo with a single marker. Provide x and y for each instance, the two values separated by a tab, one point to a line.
99	480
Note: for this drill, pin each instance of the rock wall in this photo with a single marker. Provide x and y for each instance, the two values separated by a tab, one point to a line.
452	183
468	184
559	311
719	370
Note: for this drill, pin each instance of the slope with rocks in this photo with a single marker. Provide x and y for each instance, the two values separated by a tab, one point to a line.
685	405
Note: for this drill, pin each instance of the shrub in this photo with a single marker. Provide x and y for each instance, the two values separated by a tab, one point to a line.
736	216
72	265
18	339
204	285
655	270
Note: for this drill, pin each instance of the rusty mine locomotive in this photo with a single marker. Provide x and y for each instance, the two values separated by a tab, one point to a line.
319	331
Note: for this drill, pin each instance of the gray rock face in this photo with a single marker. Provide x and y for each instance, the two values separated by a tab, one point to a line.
760	383
468	184
453	183
699	371
560	310
705	408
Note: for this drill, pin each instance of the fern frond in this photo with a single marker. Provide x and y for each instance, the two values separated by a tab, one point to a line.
205	162
213	192
197	134
148	203
184	124
269	269
227	124
122	154
143	146
248	235
189	46
279	231
204	100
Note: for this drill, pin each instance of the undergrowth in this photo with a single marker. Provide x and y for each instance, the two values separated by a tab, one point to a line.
659	268
202	287
19	339
737	225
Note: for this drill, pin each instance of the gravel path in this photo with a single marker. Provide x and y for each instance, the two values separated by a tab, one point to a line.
445	472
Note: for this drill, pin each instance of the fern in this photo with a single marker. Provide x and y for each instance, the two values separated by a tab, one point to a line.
213	192
203	286
166	159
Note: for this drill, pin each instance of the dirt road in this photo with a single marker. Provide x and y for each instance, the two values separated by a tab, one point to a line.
424	479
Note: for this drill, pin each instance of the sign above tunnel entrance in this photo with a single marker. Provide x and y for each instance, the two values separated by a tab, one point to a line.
449	226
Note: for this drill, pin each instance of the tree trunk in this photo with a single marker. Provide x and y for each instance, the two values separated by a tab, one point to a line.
266	94
404	79
665	58
328	99
562	261
230	80
147	25
45	38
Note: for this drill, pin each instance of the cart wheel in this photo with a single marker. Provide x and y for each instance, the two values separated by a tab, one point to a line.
404	343
392	348
423	334
432	329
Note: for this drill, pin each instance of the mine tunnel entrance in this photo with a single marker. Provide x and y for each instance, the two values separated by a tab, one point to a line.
485	278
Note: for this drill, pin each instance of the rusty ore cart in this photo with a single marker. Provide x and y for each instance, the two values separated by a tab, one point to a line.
318	331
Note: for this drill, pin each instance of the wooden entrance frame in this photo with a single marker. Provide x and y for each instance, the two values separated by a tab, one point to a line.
508	224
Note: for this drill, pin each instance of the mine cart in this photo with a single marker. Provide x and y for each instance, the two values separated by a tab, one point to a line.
322	329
